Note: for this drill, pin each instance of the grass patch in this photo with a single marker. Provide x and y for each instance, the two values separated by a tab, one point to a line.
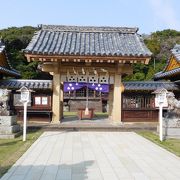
12	149
70	113
172	145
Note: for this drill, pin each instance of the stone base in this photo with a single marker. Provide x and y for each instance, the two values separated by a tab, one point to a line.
10	136
8	127
8	120
171	128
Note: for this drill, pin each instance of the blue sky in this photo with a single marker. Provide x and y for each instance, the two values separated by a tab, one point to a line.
148	15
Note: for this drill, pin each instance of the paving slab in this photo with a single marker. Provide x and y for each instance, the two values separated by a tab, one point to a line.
94	156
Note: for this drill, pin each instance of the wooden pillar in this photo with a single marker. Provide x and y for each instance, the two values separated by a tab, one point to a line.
56	104
61	101
110	101
116	111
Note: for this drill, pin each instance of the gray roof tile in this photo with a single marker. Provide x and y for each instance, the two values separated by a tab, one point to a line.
31	84
47	85
149	85
93	41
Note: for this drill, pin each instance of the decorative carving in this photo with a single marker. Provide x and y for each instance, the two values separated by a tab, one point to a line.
4	97
173	64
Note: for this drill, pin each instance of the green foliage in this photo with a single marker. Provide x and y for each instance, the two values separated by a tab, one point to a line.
159	43
166	34
153	45
15	40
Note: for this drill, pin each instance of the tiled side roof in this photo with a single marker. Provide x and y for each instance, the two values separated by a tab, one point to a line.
91	41
163	74
129	86
31	84
176	52
168	74
7	70
149	85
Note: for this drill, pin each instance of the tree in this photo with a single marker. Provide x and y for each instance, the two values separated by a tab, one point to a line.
159	43
17	39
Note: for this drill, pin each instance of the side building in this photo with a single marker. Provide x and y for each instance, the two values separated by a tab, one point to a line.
6	69
172	69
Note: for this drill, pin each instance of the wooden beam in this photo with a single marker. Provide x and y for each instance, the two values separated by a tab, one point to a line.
82	58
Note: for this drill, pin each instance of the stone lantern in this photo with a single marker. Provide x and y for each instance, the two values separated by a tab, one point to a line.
161	101
25	98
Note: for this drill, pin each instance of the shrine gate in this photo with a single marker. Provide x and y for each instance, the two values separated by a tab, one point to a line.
100	55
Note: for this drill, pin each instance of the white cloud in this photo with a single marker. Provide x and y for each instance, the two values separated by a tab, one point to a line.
164	12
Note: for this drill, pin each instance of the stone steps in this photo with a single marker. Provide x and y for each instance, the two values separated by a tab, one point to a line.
92	127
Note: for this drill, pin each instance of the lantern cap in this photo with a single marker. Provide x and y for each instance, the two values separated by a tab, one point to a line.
24	88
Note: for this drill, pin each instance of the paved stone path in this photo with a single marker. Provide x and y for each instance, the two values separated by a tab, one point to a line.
94	156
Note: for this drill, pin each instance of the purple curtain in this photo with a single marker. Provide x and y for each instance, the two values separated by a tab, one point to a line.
71	86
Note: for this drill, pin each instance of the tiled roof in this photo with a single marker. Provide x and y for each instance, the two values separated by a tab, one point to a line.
47	85
91	41
31	84
175	72
149	85
176	52
7	70
166	75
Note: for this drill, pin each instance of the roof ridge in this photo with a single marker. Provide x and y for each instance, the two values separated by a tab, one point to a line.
28	80
66	28
155	82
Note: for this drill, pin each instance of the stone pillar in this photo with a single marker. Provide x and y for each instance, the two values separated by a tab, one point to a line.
56	103
116	111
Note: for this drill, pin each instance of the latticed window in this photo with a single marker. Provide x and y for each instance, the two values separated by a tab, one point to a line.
138	102
81	92
91	93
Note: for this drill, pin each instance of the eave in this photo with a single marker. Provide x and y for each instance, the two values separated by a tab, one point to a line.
101	59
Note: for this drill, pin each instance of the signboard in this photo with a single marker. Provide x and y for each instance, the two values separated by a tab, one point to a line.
161	98
17	100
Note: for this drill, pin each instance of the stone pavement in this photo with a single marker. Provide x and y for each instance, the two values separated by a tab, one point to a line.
94	156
